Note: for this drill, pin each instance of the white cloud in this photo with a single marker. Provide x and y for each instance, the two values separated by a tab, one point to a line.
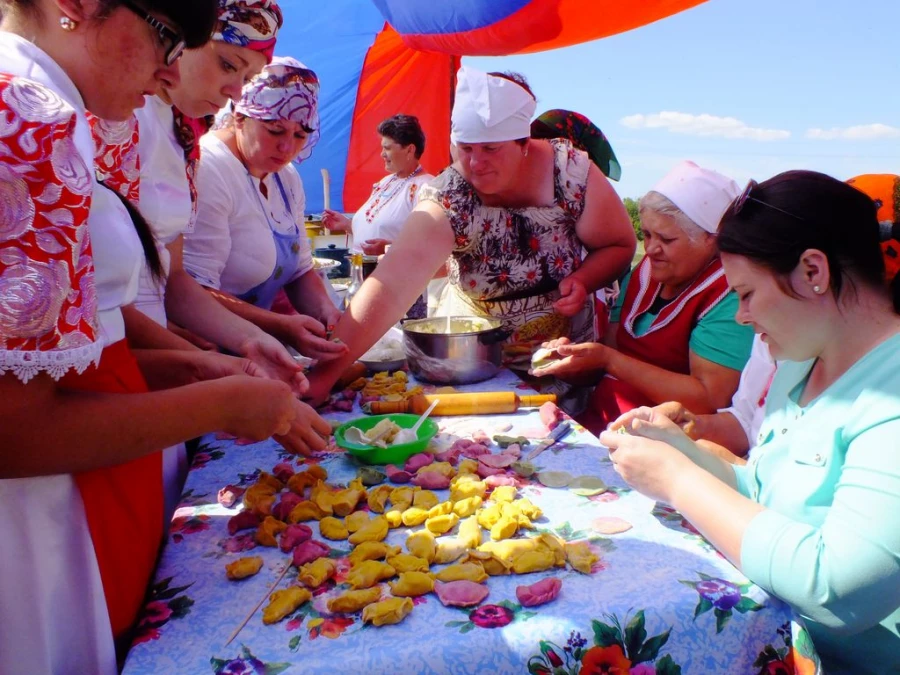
702	125
860	132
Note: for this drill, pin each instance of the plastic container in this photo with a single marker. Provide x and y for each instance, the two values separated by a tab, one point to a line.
392	454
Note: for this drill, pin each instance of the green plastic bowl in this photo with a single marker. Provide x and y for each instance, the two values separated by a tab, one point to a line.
392	454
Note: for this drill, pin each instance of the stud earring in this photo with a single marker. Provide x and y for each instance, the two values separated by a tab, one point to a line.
67	24
817	289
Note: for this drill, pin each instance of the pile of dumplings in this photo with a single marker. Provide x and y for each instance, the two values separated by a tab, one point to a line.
459	543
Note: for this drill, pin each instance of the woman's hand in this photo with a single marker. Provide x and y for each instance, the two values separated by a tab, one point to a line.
657	424
212	366
274	361
307	433
336	222
319	389
651	467
573	297
257	408
576	360
307	336
374	246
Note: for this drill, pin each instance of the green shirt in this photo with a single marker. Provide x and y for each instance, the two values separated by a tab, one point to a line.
828	542
717	337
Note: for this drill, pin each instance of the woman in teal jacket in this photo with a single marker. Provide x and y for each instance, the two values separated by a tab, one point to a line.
814	516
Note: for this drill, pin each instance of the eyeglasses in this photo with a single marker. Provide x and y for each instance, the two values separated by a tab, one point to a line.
169	38
744	197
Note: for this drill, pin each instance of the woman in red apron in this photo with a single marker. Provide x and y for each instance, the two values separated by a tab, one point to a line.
672	335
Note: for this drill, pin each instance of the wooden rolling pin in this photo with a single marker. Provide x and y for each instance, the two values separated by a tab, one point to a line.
480	403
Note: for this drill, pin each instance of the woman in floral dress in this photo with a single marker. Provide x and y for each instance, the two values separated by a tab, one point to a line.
531	229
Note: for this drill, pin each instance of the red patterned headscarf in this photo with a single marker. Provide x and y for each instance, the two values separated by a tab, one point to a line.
884	190
249	23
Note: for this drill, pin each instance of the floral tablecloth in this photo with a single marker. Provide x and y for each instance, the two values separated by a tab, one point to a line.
660	600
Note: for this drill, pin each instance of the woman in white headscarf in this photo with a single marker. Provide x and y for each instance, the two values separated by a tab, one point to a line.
531	228
246	245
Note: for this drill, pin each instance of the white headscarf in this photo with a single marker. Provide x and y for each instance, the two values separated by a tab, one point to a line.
489	109
701	194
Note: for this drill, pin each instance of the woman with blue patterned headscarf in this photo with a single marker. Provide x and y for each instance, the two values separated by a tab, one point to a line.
247	244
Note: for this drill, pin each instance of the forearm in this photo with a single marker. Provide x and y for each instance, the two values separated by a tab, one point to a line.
715	508
424	244
309	296
70	432
189	305
144	333
723	429
603	266
270	322
659	384
166	368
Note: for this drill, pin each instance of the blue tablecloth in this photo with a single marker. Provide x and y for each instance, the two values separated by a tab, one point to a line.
660	600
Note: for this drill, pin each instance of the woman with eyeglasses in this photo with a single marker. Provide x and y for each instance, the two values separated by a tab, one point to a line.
814	516
672	333
80	466
157	162
247	245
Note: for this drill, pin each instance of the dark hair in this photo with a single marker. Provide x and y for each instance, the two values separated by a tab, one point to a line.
520	80
145	234
405	130
194	19
799	210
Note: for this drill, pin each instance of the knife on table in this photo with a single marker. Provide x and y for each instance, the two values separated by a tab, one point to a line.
555	436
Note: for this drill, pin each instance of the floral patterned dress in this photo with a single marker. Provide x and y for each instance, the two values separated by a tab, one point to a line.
507	263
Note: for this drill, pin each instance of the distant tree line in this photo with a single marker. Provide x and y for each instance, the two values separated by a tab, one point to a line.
631	205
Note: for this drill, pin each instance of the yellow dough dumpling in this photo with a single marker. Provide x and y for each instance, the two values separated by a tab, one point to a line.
466	507
284	602
470	571
533	561
412	584
317	572
386	612
504	493
372	550
369	573
580	556
470	532
375	529
356	520
378	497
267	531
333	528
354	601
422	544
425	499
243	567
414	516
406	562
442	524
449	549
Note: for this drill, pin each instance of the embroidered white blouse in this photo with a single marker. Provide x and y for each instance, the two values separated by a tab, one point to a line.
387	208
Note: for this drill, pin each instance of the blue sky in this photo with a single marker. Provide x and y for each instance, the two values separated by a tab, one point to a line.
746	88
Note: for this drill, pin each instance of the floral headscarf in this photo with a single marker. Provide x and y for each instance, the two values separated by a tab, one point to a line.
249	23
584	135
284	90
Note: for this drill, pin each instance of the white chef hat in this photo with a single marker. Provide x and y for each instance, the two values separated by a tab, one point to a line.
489	109
701	194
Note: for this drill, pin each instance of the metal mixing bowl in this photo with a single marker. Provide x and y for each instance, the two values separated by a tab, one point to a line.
471	351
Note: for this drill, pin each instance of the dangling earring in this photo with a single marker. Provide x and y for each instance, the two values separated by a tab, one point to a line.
817	289
67	24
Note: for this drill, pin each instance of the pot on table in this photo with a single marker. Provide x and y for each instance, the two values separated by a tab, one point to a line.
470	351
338	253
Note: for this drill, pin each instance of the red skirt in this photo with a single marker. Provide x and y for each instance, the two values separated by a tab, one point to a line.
123	503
